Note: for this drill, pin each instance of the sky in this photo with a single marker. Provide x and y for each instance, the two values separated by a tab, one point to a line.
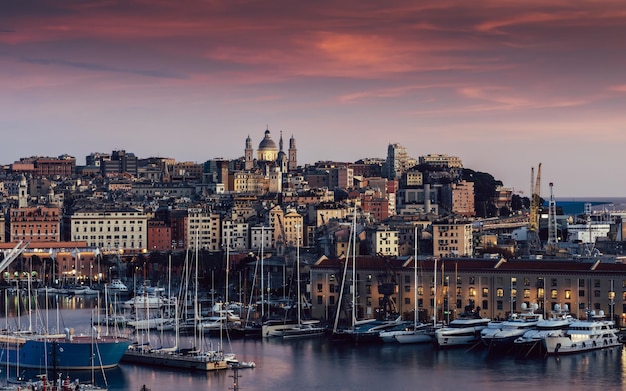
504	85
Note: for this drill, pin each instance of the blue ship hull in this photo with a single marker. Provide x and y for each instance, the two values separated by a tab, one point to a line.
77	353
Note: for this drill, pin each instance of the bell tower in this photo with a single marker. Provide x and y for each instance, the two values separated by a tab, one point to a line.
293	155
249	154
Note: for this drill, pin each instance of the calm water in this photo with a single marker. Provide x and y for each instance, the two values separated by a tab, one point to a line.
317	364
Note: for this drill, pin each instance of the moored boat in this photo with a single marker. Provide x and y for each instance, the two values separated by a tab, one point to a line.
532	341
68	351
501	335
464	330
583	335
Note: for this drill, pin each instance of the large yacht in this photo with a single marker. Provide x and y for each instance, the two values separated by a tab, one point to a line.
464	330
594	333
501	335
532	341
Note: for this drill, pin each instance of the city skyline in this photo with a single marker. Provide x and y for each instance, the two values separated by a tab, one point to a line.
503	86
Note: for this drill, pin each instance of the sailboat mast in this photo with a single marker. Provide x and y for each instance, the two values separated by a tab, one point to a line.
262	285
298	268
354	286
435	294
415	282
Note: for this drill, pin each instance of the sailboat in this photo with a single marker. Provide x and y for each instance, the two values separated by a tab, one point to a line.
192	358
364	330
420	332
301	329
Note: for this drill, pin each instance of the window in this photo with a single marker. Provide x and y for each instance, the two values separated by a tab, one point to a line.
472	292
568	294
526	293
499	292
596	283
319	288
554	294
485	292
554	282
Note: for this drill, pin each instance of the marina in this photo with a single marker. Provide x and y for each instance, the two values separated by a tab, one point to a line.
320	363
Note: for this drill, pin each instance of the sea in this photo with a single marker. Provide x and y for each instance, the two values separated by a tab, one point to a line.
317	364
574	206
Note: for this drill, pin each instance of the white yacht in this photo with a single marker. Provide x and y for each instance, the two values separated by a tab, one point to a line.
500	336
117	286
532	341
464	330
582	335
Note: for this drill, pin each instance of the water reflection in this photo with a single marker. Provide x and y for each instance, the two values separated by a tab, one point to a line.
317	364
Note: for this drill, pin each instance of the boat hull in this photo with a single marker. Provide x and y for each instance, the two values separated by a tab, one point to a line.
557	345
79	353
174	360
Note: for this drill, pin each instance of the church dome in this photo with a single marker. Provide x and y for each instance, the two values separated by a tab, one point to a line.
267	143
267	148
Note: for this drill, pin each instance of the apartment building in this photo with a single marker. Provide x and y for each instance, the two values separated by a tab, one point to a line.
118	228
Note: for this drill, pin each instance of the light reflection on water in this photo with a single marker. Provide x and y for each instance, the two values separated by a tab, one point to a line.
317	364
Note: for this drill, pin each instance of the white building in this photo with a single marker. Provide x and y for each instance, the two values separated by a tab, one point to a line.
384	241
203	229
122	228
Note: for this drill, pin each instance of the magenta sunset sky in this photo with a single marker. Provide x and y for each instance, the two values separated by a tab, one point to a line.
504	85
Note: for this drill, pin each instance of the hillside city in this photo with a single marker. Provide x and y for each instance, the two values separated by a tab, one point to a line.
121	216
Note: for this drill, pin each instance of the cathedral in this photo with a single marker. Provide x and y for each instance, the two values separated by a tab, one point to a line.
271	158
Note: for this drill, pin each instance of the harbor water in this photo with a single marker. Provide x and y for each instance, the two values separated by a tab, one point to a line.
316	363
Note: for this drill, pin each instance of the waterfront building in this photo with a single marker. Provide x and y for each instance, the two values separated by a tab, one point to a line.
497	286
35	223
114	228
